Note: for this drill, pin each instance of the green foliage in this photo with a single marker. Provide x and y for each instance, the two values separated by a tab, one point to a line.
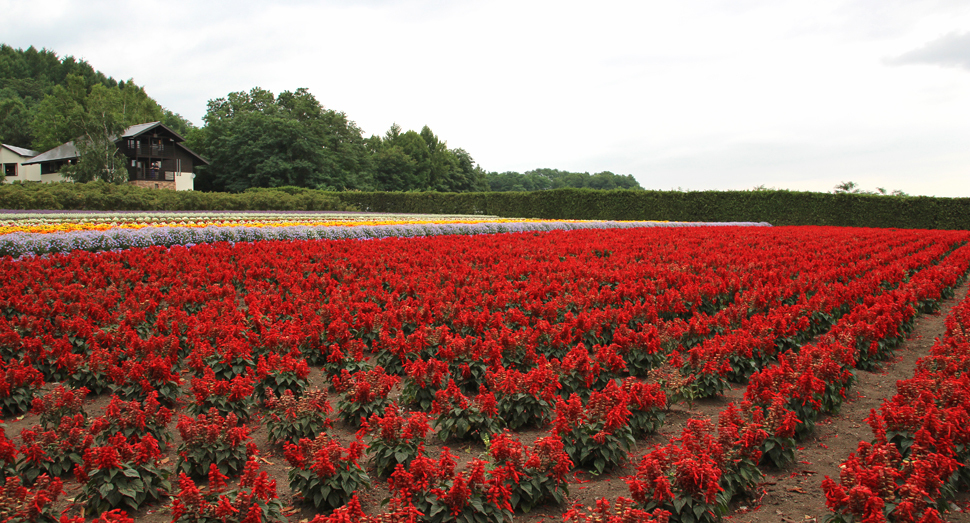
521	409
597	451
54	452
461	418
596	437
778	451
325	474
394	440
30	505
289	419
27	76
212	439
255	499
92	117
546	179
777	207
257	139
412	161
107	196
122	475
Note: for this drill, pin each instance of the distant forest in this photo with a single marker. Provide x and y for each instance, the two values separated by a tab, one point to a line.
251	139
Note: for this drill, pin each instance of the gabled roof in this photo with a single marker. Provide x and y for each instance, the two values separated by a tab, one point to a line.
61	152
193	153
21	151
136	130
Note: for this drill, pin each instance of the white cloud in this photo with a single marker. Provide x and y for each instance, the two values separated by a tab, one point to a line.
951	50
717	94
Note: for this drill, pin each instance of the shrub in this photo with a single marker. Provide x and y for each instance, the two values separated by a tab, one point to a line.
8	456
424	379
233	396
53	452
289	419
18	384
461	418
394	439
254	500
535	476
443	495
741	436
597	436
134	419
687	486
58	403
877	484
121	474
213	439
325	474
135	380
30	505
582	372
647	403
280	374
524	399
365	394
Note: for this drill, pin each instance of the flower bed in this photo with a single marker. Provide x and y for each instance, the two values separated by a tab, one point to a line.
48	232
585	337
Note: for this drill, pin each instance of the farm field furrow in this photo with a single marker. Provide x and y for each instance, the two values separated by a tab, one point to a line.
469	378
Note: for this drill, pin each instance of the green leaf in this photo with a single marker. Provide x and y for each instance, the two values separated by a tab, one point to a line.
105	489
600	464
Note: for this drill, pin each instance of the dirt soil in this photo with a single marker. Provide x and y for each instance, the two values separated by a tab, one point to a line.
791	495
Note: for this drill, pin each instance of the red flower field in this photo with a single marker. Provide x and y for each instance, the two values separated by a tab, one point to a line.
479	378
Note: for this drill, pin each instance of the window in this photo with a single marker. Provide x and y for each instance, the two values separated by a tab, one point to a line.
10	169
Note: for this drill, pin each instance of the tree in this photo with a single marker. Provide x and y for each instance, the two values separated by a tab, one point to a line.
847	187
471	176
14	127
853	188
544	179
414	146
395	170
258	139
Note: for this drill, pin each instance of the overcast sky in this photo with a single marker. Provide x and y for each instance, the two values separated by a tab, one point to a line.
697	95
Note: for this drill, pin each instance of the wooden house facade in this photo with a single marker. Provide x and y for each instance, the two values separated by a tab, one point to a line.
155	158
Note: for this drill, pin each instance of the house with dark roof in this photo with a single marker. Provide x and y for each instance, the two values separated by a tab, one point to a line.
11	164
155	155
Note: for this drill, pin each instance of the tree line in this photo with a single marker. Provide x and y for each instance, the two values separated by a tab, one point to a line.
253	139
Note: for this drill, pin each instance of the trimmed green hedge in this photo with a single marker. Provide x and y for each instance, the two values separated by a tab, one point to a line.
101	196
775	207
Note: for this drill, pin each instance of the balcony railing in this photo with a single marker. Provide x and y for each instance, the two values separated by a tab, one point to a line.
154	176
153	150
